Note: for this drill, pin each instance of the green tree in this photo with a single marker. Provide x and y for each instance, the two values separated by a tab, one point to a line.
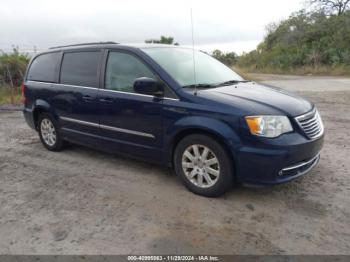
304	39
226	58
163	40
338	7
12	68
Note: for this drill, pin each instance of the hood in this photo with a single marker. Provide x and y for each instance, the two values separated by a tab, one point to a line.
259	99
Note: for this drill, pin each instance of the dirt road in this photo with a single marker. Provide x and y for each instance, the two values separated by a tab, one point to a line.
82	201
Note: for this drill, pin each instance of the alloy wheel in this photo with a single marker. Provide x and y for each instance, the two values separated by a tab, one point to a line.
201	166
48	132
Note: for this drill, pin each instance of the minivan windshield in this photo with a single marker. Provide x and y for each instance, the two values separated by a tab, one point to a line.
178	62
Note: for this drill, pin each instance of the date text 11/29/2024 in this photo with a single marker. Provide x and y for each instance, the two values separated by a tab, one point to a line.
173	258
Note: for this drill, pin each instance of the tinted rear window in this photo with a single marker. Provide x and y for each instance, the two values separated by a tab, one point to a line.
80	68
44	68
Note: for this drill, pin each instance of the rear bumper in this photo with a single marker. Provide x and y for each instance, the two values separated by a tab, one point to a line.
28	116
278	164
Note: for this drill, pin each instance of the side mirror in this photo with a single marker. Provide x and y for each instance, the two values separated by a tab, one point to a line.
148	86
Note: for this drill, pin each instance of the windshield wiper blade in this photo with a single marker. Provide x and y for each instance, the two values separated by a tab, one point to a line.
200	86
231	82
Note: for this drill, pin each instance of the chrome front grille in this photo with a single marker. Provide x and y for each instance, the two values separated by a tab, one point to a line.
311	124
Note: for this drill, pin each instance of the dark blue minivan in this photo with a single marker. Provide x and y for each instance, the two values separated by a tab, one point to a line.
172	106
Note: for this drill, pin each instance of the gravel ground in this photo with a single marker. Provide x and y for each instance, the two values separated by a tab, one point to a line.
82	201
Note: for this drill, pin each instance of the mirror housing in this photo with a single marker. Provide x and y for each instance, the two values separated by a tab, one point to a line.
148	86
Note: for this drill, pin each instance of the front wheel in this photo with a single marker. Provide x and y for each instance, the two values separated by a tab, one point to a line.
203	165
49	133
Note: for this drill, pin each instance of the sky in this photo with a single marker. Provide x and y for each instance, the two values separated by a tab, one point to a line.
228	25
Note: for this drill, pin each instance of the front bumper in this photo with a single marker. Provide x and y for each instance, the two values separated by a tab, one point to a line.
300	168
277	163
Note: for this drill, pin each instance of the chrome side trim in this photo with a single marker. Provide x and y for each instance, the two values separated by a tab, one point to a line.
79	121
136	94
101	89
58	84
168	98
314	160
111	128
86	87
122	92
127	131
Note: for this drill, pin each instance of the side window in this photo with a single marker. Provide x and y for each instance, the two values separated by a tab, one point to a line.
80	68
44	68
122	69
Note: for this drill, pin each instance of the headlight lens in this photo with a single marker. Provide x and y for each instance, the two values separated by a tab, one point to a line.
268	126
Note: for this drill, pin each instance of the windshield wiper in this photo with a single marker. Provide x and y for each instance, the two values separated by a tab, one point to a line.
200	86
226	83
231	82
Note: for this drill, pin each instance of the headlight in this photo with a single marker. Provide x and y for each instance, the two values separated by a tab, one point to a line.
268	126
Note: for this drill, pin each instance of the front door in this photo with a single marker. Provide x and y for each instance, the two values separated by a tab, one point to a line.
130	123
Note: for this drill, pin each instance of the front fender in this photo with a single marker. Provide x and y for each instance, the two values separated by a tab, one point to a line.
193	124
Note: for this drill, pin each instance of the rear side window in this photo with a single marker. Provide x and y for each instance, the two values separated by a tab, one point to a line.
44	68
80	68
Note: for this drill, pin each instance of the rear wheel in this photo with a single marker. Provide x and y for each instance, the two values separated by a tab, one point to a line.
203	165
49	133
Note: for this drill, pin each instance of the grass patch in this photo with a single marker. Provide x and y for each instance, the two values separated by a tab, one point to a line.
5	95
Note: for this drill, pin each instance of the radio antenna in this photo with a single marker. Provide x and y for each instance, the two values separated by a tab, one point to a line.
194	61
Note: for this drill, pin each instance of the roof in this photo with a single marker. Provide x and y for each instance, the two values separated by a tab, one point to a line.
109	44
84	44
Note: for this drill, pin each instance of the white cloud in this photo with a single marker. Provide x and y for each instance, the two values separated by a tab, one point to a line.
227	24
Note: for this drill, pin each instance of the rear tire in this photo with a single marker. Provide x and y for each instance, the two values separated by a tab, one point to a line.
203	165
49	132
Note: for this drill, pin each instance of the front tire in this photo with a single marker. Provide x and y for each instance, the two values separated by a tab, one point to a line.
203	165
49	132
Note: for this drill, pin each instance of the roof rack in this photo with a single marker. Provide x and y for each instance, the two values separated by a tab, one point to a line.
92	43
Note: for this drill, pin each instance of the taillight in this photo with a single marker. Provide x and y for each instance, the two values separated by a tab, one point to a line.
22	92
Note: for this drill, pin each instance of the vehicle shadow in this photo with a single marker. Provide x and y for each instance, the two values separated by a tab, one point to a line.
294	189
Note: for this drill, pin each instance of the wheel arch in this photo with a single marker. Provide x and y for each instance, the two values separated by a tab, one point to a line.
219	131
41	106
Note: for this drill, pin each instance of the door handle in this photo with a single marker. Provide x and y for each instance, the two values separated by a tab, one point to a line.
106	100
88	98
